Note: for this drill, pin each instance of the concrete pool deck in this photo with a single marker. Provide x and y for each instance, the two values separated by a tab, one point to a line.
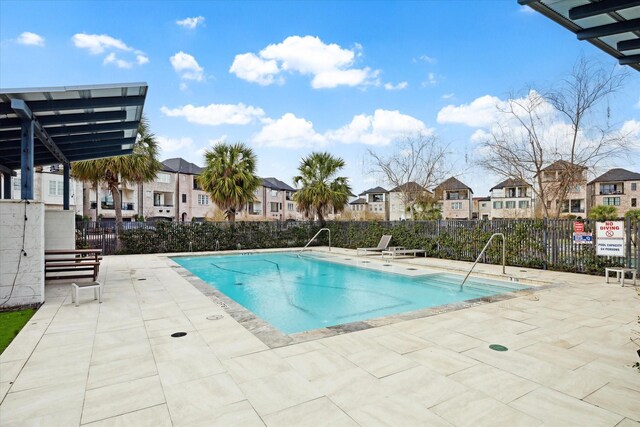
569	360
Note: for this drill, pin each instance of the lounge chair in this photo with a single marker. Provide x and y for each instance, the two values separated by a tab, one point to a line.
382	245
400	251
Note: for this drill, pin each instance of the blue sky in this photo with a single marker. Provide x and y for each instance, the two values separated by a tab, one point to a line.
291	77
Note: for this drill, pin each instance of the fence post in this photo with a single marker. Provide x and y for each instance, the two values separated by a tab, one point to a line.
545	242
628	237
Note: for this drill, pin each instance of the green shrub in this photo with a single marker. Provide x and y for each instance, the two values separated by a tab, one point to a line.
603	213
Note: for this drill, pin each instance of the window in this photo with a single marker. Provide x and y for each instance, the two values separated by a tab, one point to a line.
456	205
510	204
157	199
290	206
255	208
574	188
56	188
377	197
274	193
577	206
611	189
203	199
523	204
453	196
16	183
274	206
634	202
634	186
184	198
497	205
611	201
511	192
196	184
164	178
484	205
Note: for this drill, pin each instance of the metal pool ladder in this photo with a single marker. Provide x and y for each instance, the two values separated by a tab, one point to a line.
482	252
314	237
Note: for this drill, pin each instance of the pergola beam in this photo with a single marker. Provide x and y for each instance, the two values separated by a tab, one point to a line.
629	60
4	169
68	119
64	142
8	135
609	29
629	44
24	112
80	104
600	7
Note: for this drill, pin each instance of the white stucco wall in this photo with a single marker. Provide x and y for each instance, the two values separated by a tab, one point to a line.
25	268
59	229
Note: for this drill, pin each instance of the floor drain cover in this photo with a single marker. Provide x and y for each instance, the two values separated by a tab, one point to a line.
347	259
365	262
178	334
142	279
386	265
215	317
498	347
411	268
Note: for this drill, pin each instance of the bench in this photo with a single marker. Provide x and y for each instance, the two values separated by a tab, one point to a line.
85	263
621	273
399	250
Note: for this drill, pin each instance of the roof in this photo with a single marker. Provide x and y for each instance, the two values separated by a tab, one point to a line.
482	199
453	184
180	165
409	187
511	182
560	165
71	123
373	190
614	175
276	184
611	25
359	201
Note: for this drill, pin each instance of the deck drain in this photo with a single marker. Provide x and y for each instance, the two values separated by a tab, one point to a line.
386	265
178	334
222	304
215	317
411	268
142	279
365	262
347	259
498	347
239	284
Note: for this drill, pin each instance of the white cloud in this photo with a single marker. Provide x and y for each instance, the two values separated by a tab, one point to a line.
432	80
216	114
168	145
31	39
288	131
381	128
329	64
638	104
187	66
113	59
142	59
191	23
425	58
448	96
249	67
211	143
399	86
631	130
98	44
479	113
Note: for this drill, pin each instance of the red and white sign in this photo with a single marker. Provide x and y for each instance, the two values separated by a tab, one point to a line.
610	230
610	238
578	227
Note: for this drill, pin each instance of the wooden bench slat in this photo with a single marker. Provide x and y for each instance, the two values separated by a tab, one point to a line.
73	264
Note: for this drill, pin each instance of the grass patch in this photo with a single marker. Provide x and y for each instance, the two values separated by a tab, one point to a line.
11	322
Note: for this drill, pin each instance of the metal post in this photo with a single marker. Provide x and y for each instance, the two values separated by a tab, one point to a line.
7	186
628	237
65	186
26	161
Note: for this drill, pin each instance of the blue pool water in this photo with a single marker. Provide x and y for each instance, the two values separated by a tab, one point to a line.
298	294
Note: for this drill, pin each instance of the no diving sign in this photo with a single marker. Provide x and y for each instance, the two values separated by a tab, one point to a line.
610	238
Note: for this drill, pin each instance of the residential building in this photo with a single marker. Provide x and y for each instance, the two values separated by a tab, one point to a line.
48	188
273	201
512	198
377	199
157	198
192	202
358	209
616	187
455	199
402	200
481	208
555	178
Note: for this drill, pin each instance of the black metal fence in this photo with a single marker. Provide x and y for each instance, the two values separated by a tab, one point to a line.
545	244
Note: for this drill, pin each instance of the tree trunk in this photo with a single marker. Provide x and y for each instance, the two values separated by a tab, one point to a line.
86	200
321	217
231	215
117	206
97	199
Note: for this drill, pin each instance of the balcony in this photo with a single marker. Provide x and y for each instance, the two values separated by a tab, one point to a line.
609	192
159	205
111	206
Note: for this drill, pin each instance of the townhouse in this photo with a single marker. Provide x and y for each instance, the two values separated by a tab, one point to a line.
512	198
616	187
377	202
273	201
481	208
566	182
403	199
455	199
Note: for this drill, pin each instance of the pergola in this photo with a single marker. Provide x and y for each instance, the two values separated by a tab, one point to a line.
611	25
61	125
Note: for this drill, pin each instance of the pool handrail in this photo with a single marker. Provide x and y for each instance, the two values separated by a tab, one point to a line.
482	252
314	237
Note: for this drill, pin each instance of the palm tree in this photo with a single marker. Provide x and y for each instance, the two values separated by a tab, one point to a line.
140	166
321	189
229	177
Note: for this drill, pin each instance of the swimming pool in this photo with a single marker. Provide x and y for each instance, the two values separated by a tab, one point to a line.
299	294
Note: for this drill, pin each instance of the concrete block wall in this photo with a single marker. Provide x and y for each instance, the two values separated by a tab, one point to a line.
21	276
59	230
